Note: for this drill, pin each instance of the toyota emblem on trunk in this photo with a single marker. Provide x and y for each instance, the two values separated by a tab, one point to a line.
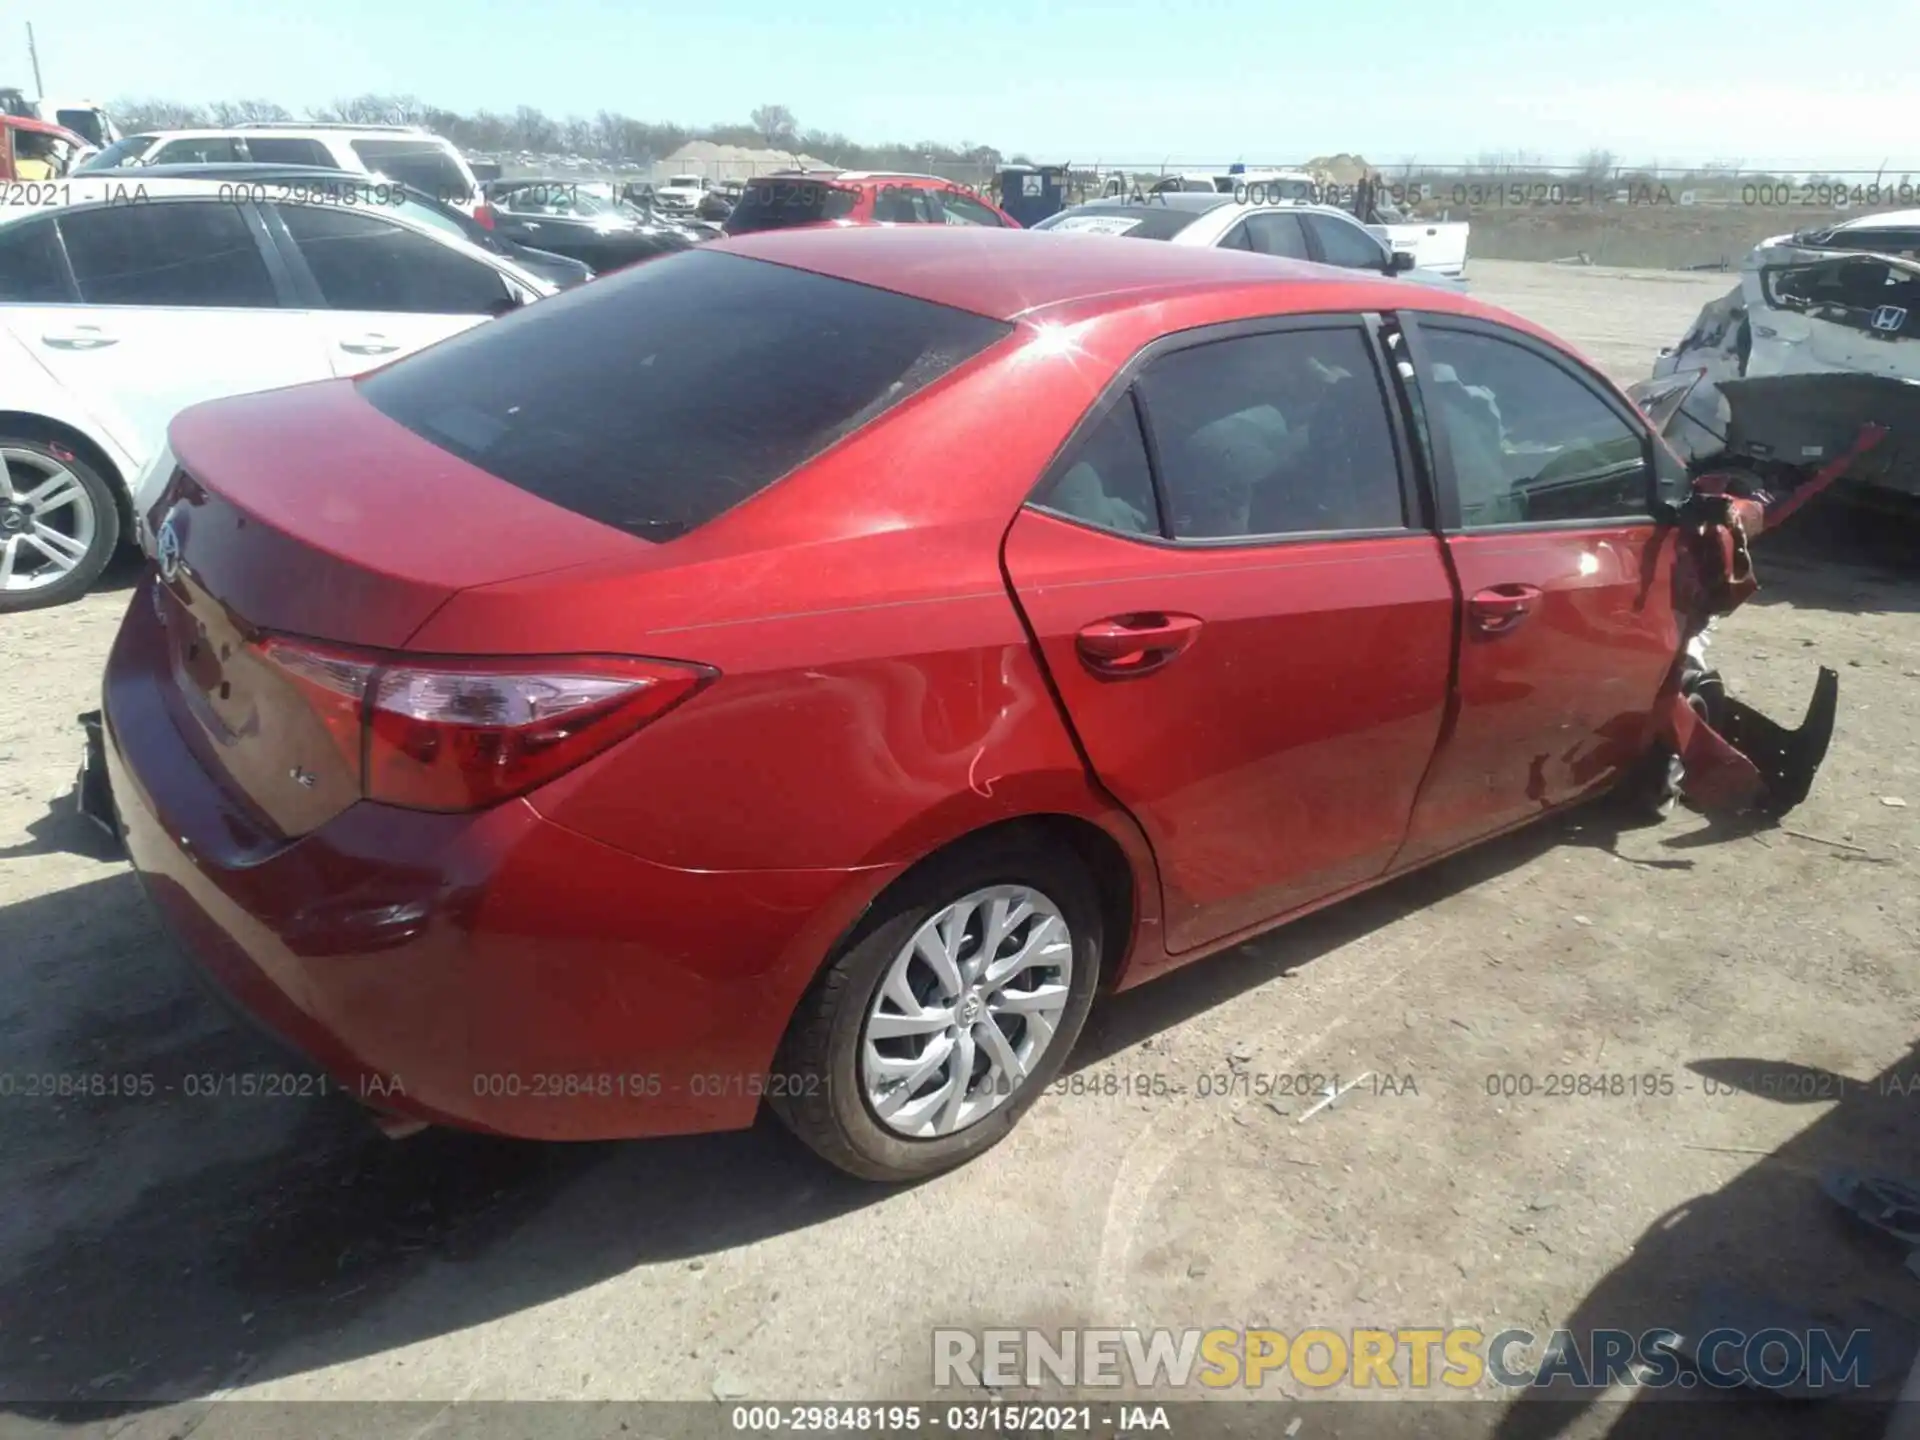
166	549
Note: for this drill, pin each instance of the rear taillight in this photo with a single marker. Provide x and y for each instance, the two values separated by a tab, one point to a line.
439	733
483	215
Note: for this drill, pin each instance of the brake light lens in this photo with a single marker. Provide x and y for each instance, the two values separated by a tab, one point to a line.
452	734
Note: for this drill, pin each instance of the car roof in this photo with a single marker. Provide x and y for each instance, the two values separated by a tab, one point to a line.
231	172
100	188
1885	220
118	187
38	127
1015	274
1197	201
854	177
359	132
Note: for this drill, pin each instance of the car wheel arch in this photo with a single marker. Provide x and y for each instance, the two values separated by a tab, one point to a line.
28	425
1117	879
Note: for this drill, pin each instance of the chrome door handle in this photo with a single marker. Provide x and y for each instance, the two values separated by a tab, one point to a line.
81	337
369	345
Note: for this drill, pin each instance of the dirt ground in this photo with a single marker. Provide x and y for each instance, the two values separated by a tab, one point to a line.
157	1252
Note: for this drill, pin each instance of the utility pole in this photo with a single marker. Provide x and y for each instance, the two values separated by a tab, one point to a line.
34	55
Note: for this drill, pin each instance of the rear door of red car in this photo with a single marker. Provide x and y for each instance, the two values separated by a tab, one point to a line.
1547	482
1244	615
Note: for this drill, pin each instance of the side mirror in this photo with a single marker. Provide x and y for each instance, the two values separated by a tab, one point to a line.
1402	260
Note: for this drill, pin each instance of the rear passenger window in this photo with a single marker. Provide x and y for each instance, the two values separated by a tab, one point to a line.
30	269
1275	434
1345	244
902	205
1109	483
287	150
1278	235
1529	442
961	208
206	150
424	164
362	262
176	252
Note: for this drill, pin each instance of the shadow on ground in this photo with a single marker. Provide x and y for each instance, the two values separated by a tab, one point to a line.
1768	1248
256	1223
247	1224
1841	557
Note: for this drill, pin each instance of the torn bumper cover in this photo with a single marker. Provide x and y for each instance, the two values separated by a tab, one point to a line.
1748	763
1731	757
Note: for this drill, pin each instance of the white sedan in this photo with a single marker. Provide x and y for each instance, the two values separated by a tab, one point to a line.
1290	230
123	302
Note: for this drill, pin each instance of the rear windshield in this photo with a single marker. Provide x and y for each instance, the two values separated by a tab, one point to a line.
662	396
84	123
1142	221
121	152
776	204
419	163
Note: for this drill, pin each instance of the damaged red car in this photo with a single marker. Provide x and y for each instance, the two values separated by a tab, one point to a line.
806	671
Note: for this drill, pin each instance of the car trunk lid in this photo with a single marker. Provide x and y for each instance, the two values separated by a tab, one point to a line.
306	513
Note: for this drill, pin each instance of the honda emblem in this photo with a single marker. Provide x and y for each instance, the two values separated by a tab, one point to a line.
1889	318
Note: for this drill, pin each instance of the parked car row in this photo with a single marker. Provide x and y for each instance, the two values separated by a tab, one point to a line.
145	293
1288	229
416	157
590	222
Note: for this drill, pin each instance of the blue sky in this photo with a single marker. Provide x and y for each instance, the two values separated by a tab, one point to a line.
1060	79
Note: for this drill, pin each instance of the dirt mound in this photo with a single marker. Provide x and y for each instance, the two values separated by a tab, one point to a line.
1343	169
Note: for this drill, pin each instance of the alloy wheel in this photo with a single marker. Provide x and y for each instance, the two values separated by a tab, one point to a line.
47	520
965	1011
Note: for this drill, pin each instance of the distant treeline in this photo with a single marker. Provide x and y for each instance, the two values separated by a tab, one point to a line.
606	136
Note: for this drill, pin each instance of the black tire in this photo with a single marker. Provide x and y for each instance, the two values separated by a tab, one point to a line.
1652	791
106	530
817	1080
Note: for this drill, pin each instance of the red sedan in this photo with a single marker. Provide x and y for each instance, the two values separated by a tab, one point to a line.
809	668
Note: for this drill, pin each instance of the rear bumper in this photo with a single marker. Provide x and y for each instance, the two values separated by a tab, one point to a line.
492	971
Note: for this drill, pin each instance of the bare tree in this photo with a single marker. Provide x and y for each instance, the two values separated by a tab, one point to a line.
609	135
374	110
239	112
776	125
532	130
135	114
1597	165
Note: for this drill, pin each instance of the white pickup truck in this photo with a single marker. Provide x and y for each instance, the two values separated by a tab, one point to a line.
1436	245
83	117
682	192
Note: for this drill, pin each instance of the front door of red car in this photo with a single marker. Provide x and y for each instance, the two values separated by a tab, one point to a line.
1545	479
1250	633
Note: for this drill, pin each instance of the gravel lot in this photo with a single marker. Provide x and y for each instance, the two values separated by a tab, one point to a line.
170	1249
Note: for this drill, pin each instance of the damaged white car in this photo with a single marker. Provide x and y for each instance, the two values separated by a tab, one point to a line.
1820	338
